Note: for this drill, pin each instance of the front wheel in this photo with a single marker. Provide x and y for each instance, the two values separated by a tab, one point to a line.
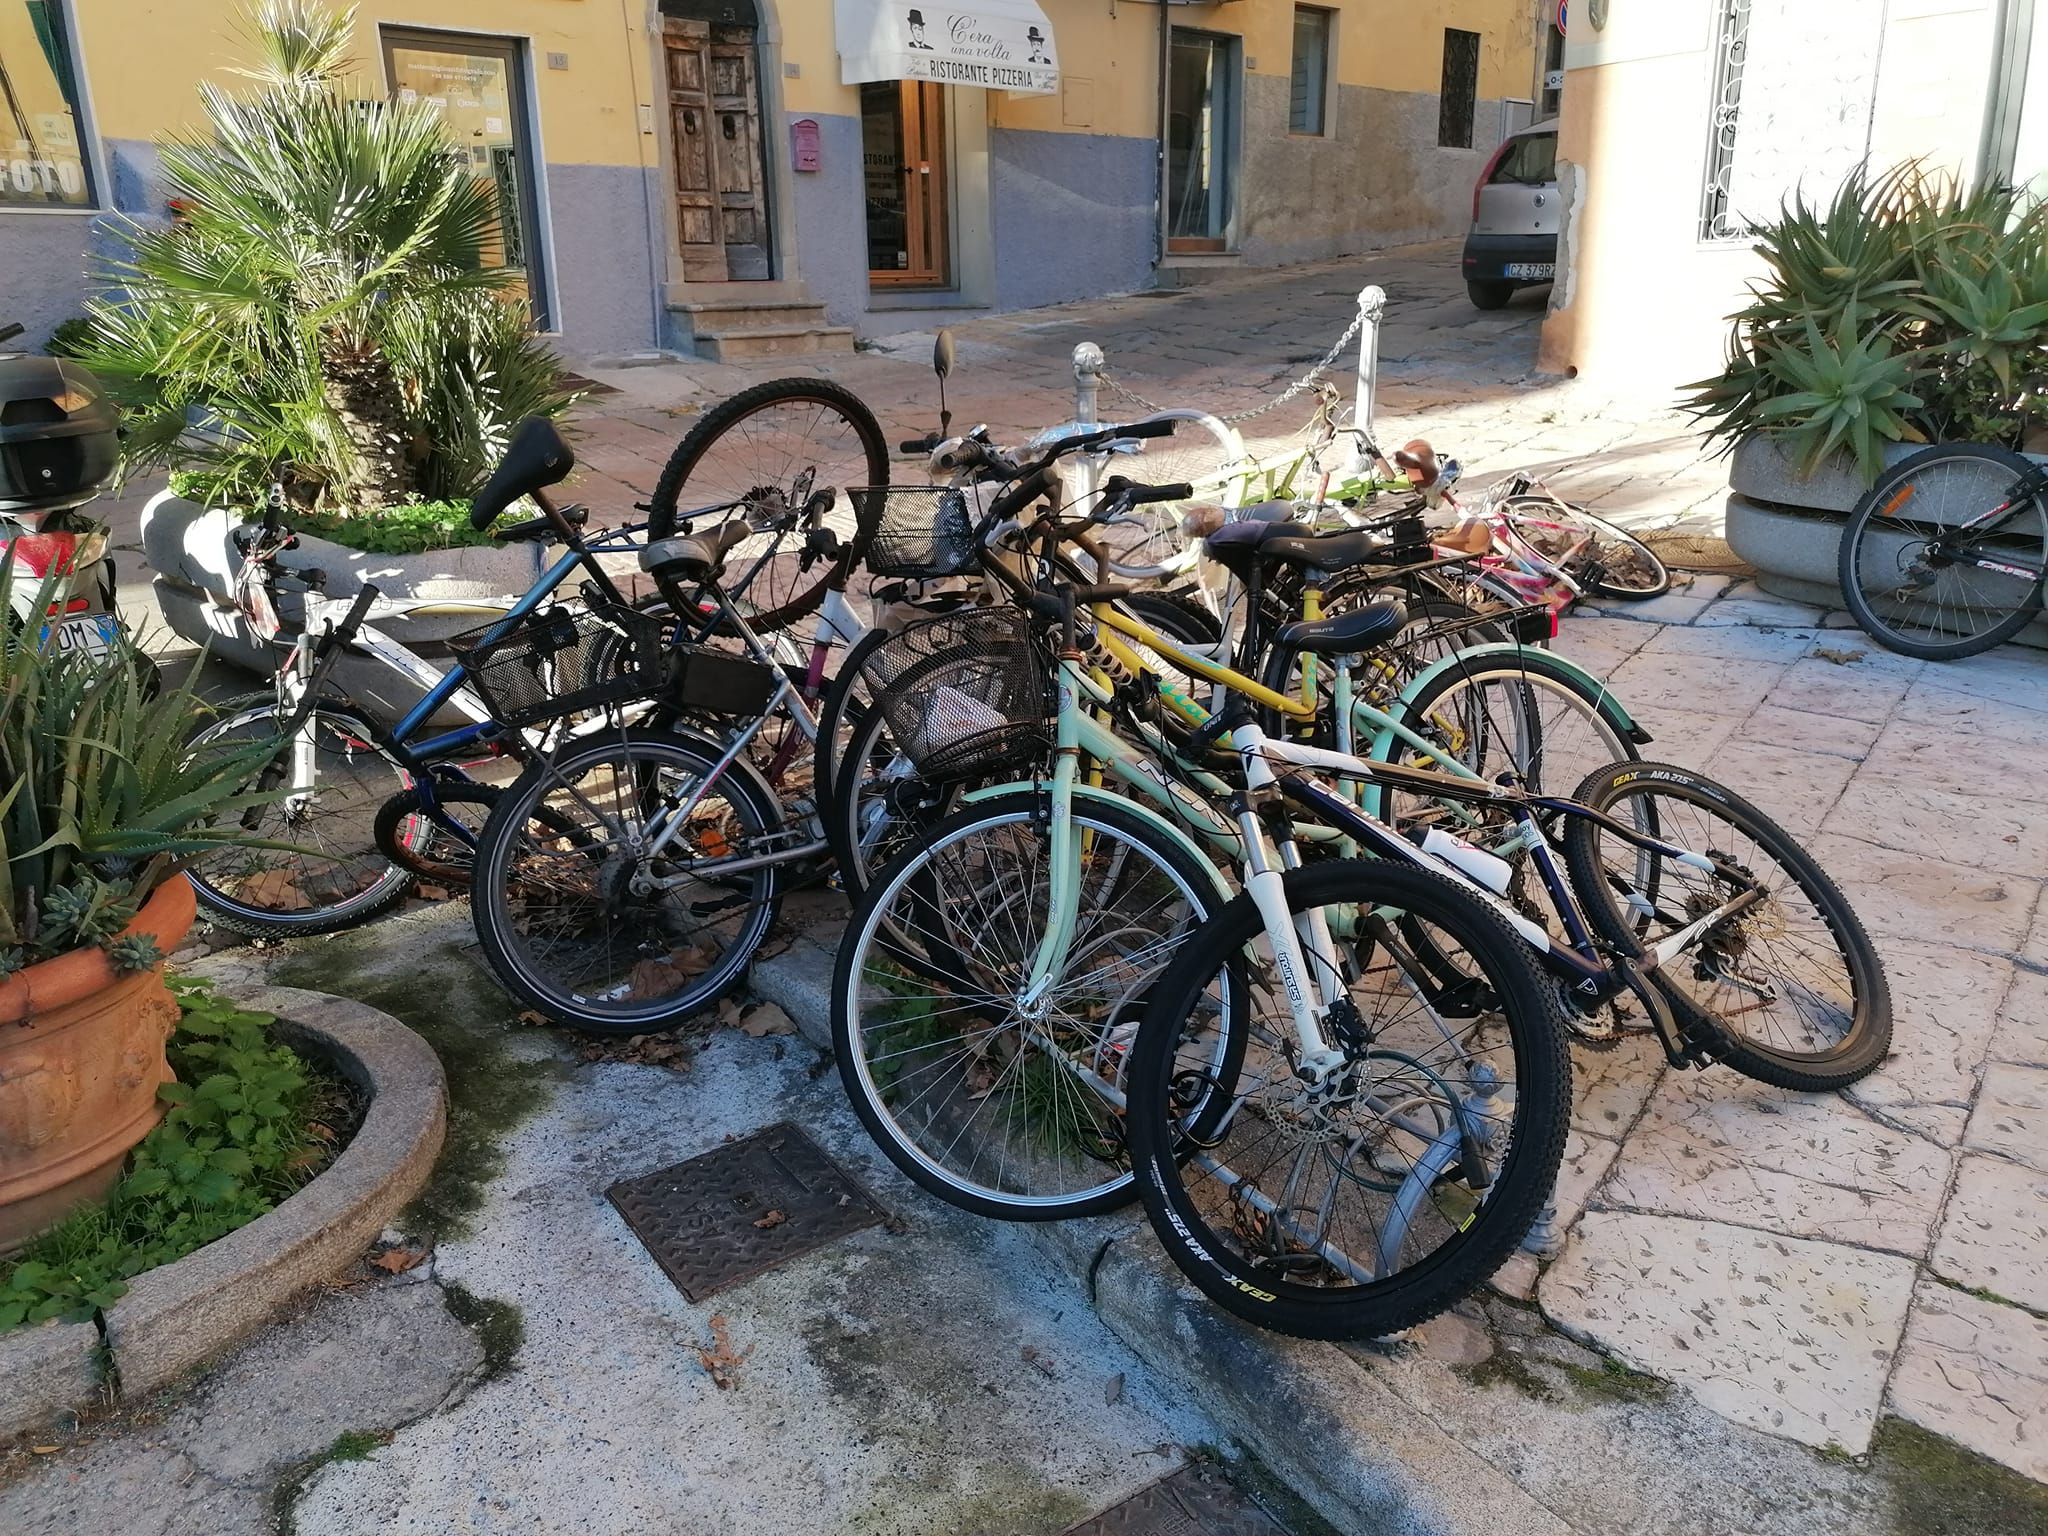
1918	586
998	1098
1793	983
1373	1200
332	778
1609	561
583	918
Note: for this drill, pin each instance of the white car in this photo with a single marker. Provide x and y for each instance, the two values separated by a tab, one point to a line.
1513	239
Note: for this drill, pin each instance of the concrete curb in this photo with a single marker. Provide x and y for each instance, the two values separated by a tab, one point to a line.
176	1317
1367	1461
48	1369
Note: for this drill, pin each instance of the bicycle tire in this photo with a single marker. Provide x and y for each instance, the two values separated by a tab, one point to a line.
393	814
807	587
1515	1195
1591	566
1861	1048
835	710
875	938
1874	519
492	891
384	888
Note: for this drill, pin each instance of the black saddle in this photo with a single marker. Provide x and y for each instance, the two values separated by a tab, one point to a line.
1239	545
1346	634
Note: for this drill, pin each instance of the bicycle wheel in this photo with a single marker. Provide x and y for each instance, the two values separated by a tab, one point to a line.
1437	627
1003	1108
1373	1203
1610	561
1919	586
414	841
1793	983
594	933
332	873
840	713
1524	713
762	455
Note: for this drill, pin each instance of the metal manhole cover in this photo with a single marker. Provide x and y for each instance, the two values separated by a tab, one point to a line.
1198	1500
711	1222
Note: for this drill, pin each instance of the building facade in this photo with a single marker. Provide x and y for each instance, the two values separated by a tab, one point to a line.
773	175
1684	121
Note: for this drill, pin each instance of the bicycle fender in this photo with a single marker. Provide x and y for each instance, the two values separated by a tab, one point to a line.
1143	812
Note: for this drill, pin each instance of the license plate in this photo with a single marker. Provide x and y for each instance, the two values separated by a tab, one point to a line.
92	633
1531	271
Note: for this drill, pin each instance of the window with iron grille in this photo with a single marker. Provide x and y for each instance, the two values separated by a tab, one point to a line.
1459	96
1731	50
1308	100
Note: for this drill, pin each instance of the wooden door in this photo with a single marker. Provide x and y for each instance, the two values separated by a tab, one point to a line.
903	131
715	134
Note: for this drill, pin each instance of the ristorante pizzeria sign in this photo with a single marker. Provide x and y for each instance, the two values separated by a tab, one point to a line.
1001	45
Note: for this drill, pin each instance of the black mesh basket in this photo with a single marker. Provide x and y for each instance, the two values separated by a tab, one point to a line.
967	694
563	661
919	531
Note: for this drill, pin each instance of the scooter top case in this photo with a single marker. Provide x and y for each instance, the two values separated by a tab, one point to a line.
59	437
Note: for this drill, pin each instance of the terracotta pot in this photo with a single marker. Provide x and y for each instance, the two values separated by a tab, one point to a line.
81	1057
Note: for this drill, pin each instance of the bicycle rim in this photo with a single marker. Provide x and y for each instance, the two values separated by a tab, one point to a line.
556	900
996	1107
1915	594
1380	1199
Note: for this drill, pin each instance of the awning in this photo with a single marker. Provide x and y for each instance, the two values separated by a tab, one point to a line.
1000	45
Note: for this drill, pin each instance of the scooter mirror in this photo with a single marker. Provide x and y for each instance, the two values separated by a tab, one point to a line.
942	354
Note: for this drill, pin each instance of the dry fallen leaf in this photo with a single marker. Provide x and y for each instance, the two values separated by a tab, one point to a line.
771	1220
1113	1389
44	1450
396	1261
720	1361
532	1016
652	979
766	1019
431	892
1036	1361
728	1013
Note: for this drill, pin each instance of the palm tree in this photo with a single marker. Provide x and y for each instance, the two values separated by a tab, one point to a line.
320	309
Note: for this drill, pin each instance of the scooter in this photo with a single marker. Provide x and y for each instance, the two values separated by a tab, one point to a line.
59	444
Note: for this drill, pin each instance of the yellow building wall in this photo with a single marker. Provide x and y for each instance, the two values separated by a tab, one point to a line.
143	60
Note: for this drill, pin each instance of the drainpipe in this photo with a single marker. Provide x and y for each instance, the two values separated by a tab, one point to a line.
1165	64
657	247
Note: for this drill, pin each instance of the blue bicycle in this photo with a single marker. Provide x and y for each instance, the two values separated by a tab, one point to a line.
368	810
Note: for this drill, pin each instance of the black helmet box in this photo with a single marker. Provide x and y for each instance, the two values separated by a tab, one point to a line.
58	435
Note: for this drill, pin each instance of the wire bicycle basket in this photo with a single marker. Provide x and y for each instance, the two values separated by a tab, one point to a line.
923	532
966	694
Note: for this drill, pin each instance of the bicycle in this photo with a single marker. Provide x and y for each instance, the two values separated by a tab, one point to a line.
1944	556
959	700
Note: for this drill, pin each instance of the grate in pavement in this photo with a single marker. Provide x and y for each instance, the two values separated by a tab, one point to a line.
1198	1500
742	1209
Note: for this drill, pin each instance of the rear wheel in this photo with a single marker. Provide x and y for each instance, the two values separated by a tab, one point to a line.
1920	589
1793	984
1489	295
1610	561
763	455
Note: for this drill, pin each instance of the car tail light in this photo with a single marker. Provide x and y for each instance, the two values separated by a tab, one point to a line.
1486	173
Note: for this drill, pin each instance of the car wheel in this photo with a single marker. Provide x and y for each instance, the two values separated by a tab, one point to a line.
1489	295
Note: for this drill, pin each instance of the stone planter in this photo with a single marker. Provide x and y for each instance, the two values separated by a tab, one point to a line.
81	1058
1789	525
191	550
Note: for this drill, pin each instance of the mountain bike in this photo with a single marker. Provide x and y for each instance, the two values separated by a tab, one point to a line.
1944	556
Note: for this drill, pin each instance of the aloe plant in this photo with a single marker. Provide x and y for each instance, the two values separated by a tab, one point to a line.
102	796
1905	309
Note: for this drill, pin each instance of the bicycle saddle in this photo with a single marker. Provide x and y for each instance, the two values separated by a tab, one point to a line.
1346	634
694	556
536	458
1239	544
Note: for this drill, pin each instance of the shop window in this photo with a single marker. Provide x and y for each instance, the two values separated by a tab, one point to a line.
1458	99
1308	102
43	159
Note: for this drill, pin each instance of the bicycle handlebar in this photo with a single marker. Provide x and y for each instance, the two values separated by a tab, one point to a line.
11	330
345	632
